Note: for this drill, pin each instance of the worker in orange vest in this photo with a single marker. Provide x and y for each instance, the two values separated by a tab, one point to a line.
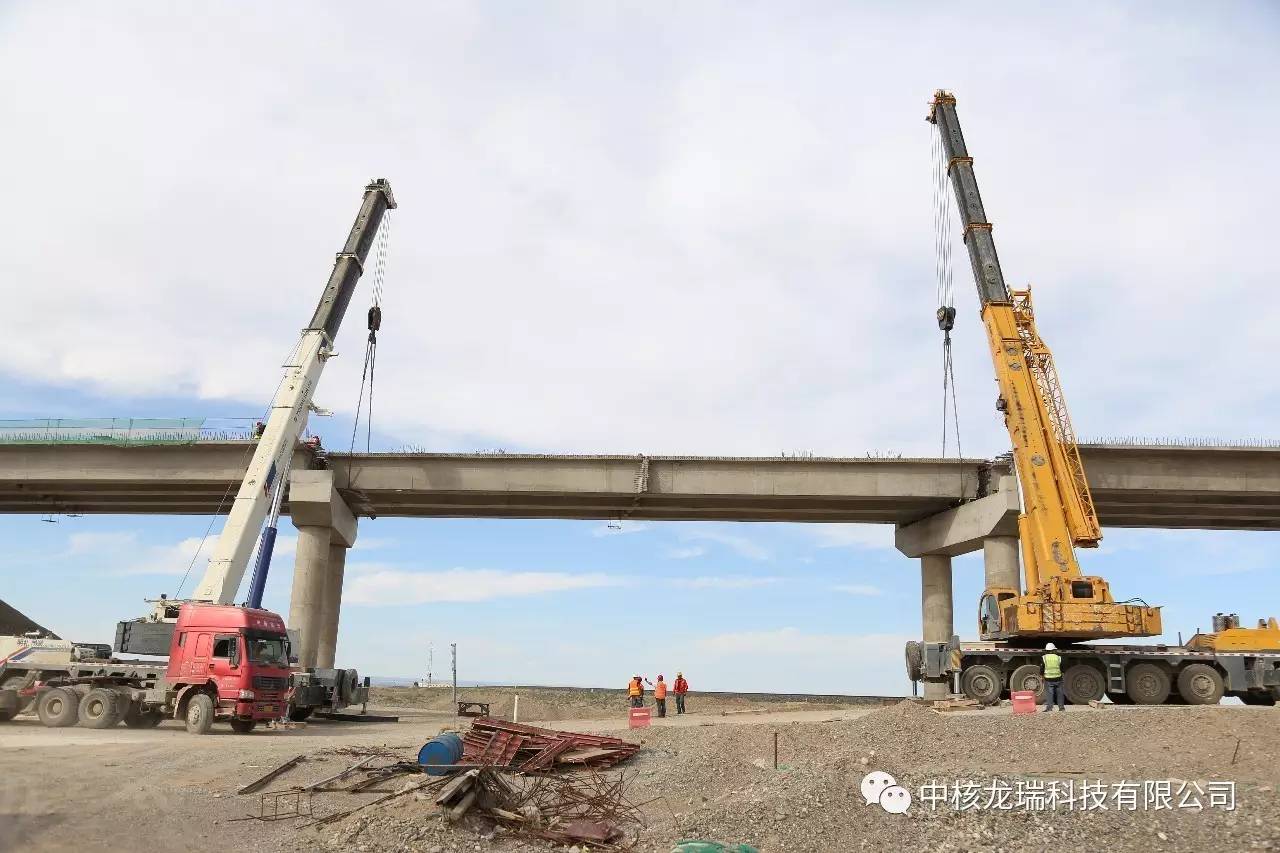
660	696
635	691
681	688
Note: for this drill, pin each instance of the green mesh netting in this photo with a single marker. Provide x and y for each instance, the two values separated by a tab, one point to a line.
101	431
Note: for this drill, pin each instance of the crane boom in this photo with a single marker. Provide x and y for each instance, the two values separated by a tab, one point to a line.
291	405
1058	512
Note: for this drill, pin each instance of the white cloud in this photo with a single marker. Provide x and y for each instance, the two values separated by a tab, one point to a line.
386	585
740	545
730	248
686	553
100	543
724	582
857	589
852	535
370	543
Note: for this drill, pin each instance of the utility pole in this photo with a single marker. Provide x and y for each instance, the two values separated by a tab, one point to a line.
454	648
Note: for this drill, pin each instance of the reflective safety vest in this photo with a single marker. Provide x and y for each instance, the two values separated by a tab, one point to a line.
635	689
1052	666
660	690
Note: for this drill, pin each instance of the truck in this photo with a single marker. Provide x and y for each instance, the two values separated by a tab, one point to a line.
1057	602
225	664
224	661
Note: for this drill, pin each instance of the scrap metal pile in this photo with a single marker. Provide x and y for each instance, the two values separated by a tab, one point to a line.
497	743
583	808
536	783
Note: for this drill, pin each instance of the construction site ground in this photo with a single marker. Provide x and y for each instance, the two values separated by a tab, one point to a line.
707	775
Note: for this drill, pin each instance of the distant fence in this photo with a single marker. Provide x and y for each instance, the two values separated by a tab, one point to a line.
124	431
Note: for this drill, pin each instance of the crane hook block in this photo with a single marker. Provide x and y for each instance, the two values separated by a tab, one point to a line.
375	318
946	318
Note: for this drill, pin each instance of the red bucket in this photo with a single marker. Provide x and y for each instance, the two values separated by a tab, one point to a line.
1024	701
638	718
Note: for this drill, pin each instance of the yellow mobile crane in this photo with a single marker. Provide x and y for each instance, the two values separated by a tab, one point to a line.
1060	603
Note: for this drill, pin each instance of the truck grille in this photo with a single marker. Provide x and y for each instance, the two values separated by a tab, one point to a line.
268	682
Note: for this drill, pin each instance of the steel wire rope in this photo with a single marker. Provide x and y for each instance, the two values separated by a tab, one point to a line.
367	374
945	291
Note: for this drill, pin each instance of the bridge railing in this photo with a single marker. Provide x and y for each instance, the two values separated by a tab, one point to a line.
124	431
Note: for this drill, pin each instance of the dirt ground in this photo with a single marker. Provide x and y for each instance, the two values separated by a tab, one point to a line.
711	773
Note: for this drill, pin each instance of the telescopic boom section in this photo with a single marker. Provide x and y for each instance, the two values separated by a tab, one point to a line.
1058	512
291	405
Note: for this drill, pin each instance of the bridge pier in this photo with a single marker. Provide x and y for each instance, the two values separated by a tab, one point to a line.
936	611
1000	562
326	529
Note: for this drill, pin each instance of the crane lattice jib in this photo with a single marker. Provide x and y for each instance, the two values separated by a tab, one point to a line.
1082	518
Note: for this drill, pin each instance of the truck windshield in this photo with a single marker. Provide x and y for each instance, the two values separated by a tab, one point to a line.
267	649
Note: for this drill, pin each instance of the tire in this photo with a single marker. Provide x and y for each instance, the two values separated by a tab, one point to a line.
58	708
100	709
1200	684
981	683
136	718
915	660
1147	684
1261	699
1082	684
1028	677
243	727
200	714
299	714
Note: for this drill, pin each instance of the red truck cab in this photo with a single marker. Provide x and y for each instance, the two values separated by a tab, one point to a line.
237	656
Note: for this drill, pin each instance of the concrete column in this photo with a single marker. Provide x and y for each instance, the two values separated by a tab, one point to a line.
309	570
936	611
1000	561
331	606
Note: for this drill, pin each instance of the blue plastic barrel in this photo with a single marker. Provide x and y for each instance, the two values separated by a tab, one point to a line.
441	751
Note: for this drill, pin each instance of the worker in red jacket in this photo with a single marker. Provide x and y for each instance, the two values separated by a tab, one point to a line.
680	688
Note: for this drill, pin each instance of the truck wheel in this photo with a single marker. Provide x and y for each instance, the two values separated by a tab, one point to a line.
1028	677
1200	684
58	708
243	727
981	683
136	718
200	714
1147	684
915	660
1082	684
299	714
1254	698
100	709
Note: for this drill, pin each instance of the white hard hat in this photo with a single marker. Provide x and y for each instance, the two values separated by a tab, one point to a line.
1048	647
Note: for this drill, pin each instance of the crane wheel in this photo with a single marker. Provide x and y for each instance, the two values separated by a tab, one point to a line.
981	683
1147	684
1200	684
1082	684
1264	699
200	714
243	727
915	660
1028	677
58	708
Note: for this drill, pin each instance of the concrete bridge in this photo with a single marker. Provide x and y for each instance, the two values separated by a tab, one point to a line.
940	508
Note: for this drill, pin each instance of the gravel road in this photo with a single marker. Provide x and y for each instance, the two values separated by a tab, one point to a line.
713	777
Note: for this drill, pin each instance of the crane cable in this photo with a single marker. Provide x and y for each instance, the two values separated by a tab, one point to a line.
946	313
371	344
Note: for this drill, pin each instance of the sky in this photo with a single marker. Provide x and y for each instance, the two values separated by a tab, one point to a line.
698	228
